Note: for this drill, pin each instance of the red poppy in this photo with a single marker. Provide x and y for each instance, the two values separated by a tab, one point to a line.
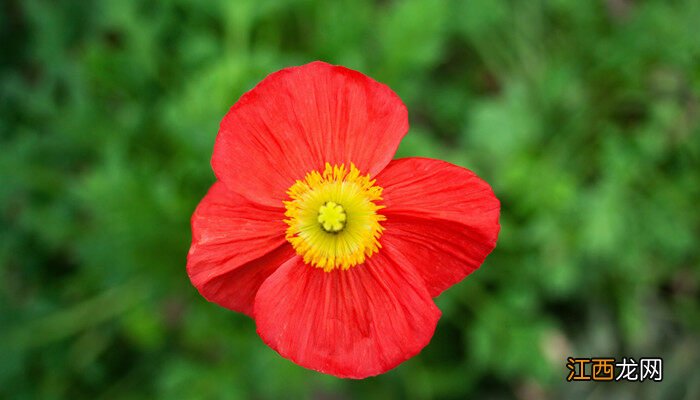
335	249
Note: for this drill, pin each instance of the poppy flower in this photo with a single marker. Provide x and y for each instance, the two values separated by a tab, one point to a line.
333	248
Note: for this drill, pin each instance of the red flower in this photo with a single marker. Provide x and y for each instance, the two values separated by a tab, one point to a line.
335	249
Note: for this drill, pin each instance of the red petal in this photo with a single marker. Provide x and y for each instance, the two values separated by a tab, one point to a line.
351	324
299	118
236	245
441	216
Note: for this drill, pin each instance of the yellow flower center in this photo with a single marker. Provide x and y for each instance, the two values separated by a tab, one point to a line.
332	217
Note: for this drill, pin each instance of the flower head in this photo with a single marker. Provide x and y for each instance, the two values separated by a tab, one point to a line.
335	249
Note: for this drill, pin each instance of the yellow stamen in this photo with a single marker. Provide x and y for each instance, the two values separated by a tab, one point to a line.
332	217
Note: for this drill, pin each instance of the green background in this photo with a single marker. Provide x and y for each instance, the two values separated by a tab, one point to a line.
582	115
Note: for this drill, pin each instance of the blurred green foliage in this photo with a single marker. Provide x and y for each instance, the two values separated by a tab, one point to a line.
583	115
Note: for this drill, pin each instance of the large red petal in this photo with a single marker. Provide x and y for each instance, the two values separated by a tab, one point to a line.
236	245
299	118
351	324
441	216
